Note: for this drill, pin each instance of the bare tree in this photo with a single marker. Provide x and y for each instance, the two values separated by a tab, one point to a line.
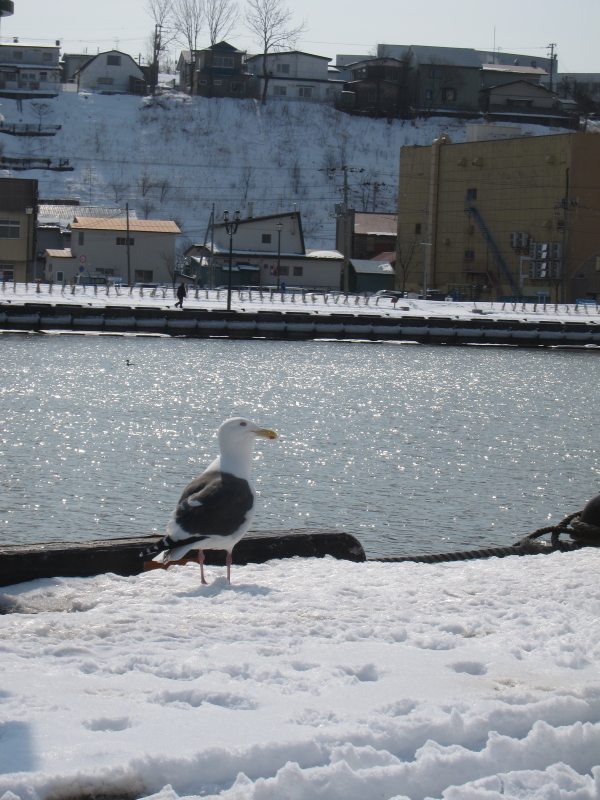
119	189
164	187
247	180
188	21
407	251
41	110
271	24
145	183
147	208
221	18
163	35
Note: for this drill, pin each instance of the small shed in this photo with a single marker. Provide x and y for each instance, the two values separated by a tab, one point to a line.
112	72
370	276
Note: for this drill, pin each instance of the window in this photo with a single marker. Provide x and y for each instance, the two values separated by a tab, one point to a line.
105	81
284	271
435	72
123	240
372	96
43	76
448	95
283	69
359	74
266	238
519	102
143	276
428	94
417	227
298	272
10	229
235	87
47	56
203	82
113	61
472	194
7	272
217	83
17	55
60	276
305	91
81	237
223	61
280	91
469	255
392	75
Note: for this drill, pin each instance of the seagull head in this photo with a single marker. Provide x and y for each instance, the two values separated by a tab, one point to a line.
236	438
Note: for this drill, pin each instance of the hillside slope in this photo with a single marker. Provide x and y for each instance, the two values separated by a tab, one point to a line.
175	156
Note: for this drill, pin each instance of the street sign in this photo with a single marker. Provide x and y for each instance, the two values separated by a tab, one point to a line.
82	259
81	269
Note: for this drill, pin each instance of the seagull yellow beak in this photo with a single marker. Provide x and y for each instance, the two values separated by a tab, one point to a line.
268	434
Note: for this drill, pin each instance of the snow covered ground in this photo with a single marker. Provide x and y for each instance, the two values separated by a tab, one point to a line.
174	157
306	680
17	294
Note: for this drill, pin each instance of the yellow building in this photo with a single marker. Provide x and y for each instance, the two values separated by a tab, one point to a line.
501	217
18	205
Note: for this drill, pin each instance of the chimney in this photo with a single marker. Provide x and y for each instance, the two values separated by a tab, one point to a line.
250	209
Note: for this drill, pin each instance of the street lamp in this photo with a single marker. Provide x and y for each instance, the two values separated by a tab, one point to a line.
279	227
231	228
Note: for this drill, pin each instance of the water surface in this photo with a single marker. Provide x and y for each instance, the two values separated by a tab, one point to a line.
414	449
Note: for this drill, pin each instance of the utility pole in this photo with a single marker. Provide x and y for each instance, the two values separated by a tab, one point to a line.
128	247
552	45
343	212
157	49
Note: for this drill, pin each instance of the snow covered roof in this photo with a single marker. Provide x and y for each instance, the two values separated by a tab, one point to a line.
140	225
332	254
514	68
49	212
375	224
65	253
367	267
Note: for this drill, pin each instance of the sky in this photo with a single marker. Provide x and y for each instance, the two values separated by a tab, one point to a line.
522	26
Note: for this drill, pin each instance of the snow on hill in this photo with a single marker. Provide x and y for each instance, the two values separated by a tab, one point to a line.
174	156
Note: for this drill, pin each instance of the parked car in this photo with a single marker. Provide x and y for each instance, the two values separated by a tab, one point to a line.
433	294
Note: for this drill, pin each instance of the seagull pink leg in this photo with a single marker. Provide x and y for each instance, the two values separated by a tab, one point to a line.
201	562
228	561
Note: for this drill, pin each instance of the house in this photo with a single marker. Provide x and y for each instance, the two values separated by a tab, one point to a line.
99	248
370	276
497	74
112	72
378	87
503	217
446	80
184	69
258	248
523	101
293	75
219	71
18	204
28	71
70	63
371	233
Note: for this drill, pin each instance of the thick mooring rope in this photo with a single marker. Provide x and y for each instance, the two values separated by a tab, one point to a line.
583	534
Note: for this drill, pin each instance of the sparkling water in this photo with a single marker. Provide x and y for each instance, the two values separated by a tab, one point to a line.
414	449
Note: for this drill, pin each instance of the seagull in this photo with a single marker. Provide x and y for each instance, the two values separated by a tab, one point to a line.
129	363
217	508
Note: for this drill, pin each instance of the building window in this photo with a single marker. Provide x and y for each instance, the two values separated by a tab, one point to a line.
203	82
81	237
47	56
372	96
448	95
469	255
217	83
7	272
123	240
143	276
298	272
105	81
472	194
280	91
10	229
435	72
266	238
17	55
113	61
43	76
223	61
284	271
235	87
283	69
428	94
417	227
515	101
305	91
60	276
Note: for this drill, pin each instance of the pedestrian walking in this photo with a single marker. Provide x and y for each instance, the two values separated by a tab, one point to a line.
181	293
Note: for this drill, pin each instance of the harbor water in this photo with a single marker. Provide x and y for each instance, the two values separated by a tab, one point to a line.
413	449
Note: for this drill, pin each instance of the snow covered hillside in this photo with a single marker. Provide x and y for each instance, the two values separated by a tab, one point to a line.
307	679
175	156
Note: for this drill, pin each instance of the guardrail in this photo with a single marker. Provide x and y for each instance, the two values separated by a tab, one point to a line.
28	129
297	325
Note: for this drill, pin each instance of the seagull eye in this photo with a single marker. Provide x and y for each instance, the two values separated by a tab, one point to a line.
243	423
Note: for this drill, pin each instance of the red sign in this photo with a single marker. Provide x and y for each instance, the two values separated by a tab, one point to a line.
82	259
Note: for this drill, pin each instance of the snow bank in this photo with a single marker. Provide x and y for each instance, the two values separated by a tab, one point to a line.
306	679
